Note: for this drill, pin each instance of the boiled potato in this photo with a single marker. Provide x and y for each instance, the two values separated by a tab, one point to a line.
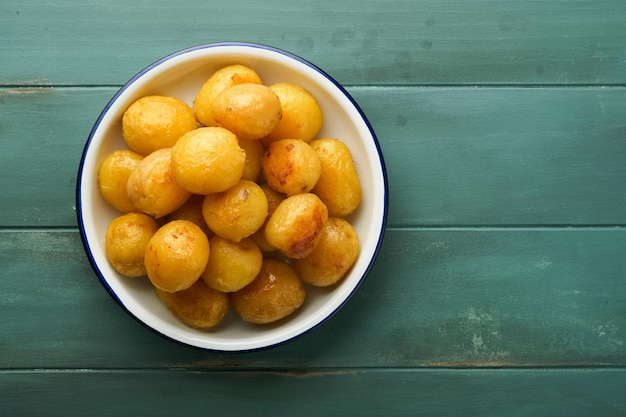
151	187
291	166
333	256
176	255
155	122
192	211
338	186
301	114
219	81
208	160
113	174
275	293
296	225
250	111
199	306
237	212
254	159
232	265
126	239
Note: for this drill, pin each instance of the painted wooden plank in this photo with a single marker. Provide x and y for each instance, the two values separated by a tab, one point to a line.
406	42
436	297
413	392
455	156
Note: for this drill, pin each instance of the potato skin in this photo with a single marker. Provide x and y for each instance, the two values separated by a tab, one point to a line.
219	81
237	212
151	187
339	186
301	114
125	242
199	306
291	166
250	111
176	255
232	265
113	174
296	225
333	256
275	293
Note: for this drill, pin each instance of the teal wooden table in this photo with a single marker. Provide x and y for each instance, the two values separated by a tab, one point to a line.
500	289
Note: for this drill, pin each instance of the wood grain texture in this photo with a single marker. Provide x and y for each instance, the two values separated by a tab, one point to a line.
490	297
374	43
455	156
416	392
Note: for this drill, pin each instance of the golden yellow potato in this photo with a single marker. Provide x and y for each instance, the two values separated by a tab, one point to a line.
339	186
236	213
199	306
296	225
113	175
221	79
302	115
125	242
250	111
275	293
156	122
152	188
291	166
208	160
232	265
254	159
273	200
333	256
176	255
192	211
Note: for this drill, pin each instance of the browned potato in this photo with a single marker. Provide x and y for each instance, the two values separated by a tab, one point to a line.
192	211
199	306
333	256
156	122
113	175
291	166
274	294
232	265
125	242
250	111
237	212
338	186
208	160
152	188
219	81
254	159
296	225
176	255
301	114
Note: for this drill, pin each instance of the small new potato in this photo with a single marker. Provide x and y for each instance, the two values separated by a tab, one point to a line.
199	306
113	174
176	255
208	160
275	293
333	256
291	166
232	265
338	186
296	225
192	211
219	81
126	239
301	114
250	111
152	188
236	213
156	122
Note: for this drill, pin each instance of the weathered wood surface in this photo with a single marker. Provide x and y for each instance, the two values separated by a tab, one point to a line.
500	288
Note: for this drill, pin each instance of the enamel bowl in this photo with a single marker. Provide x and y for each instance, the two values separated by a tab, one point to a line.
181	75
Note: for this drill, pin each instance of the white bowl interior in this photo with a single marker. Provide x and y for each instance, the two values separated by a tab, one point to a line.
181	75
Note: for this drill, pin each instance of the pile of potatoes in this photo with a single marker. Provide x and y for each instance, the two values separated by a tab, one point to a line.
231	202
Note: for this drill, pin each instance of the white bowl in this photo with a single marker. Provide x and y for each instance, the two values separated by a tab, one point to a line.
181	75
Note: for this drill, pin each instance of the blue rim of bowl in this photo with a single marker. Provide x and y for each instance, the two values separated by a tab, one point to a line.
126	85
